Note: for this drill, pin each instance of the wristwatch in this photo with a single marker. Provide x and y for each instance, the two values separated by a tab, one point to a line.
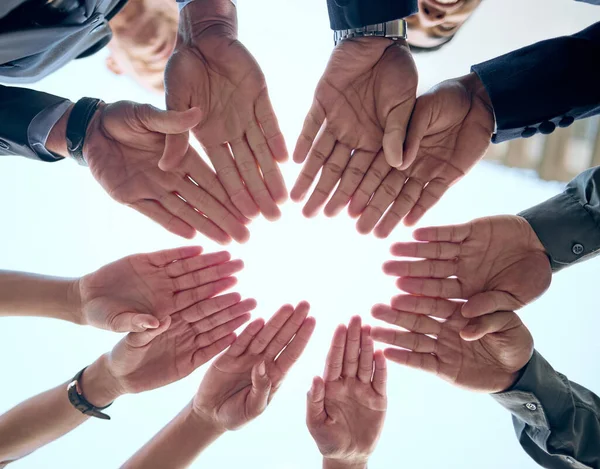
394	30
78	401
77	125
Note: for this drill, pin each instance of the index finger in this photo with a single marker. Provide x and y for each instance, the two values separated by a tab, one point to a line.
335	357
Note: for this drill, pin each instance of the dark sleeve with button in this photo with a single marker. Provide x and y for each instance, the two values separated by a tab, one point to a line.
568	225
18	108
556	420
548	84
347	14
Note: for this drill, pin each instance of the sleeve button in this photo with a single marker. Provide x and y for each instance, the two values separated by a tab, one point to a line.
577	249
531	406
547	127
528	132
4	145
566	121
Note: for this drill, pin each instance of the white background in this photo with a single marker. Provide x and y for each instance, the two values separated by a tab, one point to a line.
56	220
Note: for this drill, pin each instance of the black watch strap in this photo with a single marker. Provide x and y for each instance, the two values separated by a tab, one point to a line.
78	401
77	125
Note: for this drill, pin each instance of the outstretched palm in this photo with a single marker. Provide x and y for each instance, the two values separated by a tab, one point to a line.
498	264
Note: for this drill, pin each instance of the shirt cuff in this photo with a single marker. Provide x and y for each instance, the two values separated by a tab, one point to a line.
183	3
40	127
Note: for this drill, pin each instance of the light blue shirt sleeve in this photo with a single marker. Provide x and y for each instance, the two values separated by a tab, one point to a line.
41	125
183	3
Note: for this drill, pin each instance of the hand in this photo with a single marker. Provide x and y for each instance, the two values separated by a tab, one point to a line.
346	409
148	360
497	264
211	70
450	130
487	357
135	293
240	383
361	108
123	145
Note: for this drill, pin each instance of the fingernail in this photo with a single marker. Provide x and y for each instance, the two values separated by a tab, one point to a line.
262	369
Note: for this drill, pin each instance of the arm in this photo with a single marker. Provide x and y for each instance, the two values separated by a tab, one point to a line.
550	83
556	420
48	416
356	13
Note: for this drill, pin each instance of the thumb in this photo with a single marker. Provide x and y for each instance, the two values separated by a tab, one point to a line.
490	324
168	122
489	302
315	401
395	133
141	339
133	322
261	388
417	128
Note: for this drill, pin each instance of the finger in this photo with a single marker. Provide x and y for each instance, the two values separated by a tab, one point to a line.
450	233
413	322
228	175
224	316
187	298
488	302
154	210
351	179
285	333
213	210
141	339
394	134
422	361
248	169
490	324
437	288
376	173
258	398
208	275
430	196
315	402
272	327
436	307
214	335
194	263
292	353
419	122
430	250
176	147
380	374
426	268
167	257
385	194
208	307
330	176
352	348
241	344
312	123
335	356
181	209
205	354
268	165
317	157
133	322
270	126
365	361
407	340
167	122
404	203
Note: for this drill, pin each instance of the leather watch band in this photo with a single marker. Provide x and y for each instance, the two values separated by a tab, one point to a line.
77	399
77	126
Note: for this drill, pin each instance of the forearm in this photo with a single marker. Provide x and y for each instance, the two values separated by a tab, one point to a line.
333	464
24	294
177	444
48	416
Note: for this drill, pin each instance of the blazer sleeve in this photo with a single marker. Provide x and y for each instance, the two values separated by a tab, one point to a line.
556	420
347	14
18	109
548	84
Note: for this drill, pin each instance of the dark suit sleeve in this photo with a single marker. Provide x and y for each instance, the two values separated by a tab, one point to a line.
18	107
346	14
548	84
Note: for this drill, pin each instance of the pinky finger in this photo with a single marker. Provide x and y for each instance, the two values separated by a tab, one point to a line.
432	193
160	215
422	361
380	373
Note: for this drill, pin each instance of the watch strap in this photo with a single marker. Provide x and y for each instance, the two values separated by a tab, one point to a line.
394	30
77	126
78	400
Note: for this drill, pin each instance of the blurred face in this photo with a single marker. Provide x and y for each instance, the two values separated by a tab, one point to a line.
144	35
438	20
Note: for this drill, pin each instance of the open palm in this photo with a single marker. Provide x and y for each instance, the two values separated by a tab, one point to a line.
136	292
497	263
240	383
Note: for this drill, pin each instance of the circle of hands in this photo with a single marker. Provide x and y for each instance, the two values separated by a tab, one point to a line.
389	155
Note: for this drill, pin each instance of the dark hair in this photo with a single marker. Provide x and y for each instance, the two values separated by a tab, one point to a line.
418	50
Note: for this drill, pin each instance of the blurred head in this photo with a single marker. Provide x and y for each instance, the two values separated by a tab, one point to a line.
144	35
437	22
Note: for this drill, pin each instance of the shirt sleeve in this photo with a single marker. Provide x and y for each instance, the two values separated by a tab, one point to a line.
348	14
556	420
568	225
40	128
548	84
183	3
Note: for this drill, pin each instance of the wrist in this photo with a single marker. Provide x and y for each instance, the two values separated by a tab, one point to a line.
475	86
57	138
341	464
73	306
202	17
98	385
203	423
